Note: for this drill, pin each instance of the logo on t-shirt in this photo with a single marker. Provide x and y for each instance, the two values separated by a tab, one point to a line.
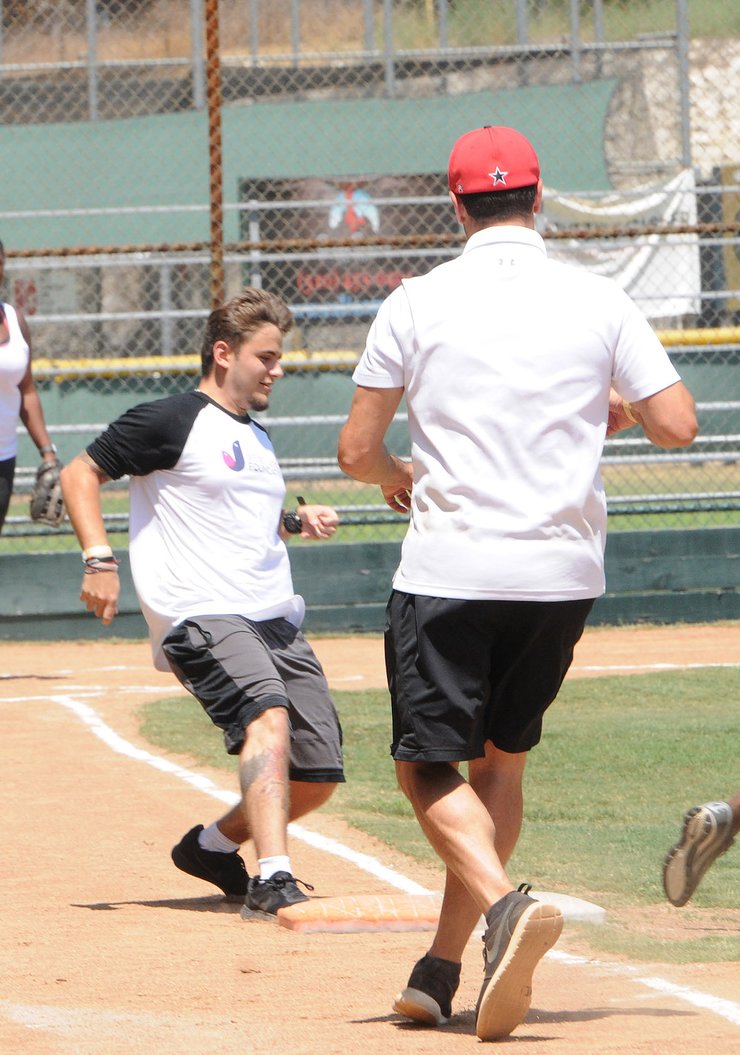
235	461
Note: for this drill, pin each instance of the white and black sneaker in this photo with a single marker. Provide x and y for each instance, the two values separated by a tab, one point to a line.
706	834
266	896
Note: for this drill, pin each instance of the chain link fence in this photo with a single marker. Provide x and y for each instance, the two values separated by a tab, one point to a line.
160	154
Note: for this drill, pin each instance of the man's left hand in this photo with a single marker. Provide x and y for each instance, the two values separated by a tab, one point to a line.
319	522
617	420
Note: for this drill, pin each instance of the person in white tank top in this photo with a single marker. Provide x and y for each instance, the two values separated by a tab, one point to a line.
19	397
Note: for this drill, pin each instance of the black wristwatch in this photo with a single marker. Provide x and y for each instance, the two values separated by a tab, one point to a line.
292	523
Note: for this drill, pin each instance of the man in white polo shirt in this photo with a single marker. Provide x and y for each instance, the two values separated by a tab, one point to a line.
514	369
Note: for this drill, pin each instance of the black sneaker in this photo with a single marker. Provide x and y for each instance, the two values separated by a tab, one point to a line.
428	996
226	871
520	931
266	896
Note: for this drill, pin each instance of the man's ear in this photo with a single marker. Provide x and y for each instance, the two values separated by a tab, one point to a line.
538	197
460	211
457	205
221	354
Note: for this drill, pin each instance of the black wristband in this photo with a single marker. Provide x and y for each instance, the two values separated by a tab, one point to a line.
292	523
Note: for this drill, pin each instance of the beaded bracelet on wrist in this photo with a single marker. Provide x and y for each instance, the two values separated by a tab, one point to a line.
95	564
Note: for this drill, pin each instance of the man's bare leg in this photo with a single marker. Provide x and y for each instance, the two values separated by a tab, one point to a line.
269	800
458	826
497	781
455	817
263	778
305	796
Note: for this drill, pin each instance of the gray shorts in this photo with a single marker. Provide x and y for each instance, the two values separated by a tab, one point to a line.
237	668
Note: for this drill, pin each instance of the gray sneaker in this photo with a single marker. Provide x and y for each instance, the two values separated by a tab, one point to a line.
428	996
520	931
707	833
266	896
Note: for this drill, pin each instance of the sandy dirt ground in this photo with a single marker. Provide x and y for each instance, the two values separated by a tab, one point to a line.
108	949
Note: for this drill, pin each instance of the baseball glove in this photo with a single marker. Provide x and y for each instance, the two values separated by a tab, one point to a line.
47	504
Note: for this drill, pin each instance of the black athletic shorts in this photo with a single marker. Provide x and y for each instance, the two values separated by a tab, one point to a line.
463	672
237	668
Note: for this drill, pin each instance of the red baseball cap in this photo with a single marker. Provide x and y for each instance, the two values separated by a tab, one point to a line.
492	158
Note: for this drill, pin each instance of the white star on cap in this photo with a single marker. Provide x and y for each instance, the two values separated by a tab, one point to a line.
498	176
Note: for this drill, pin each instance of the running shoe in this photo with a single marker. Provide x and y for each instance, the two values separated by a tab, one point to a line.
226	871
520	931
706	834
428	996
266	896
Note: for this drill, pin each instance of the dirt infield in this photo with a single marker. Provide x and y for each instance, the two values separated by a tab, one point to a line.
108	949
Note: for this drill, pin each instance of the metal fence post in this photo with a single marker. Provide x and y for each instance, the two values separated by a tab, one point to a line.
92	59
599	33
521	21
215	152
368	20
390	72
575	40
196	36
255	274
443	36
295	30
165	305
254	30
522	39
682	32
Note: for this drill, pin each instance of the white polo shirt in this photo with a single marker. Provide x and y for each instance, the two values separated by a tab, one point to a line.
507	358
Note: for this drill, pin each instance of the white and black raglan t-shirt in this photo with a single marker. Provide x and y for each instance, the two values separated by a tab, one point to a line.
206	495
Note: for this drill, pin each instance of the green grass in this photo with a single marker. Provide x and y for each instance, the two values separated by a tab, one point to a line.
620	760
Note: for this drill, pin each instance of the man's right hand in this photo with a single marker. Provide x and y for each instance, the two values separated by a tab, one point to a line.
398	498
397	495
100	592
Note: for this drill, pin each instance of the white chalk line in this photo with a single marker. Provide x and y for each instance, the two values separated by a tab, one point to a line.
726	1008
71	1021
363	861
652	666
717	1005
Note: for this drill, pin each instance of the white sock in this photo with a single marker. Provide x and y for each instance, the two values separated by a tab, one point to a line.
212	838
270	865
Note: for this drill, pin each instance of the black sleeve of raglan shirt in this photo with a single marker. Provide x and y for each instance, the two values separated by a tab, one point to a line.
147	437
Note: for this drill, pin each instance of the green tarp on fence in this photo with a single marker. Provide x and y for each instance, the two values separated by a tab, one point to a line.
163	160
